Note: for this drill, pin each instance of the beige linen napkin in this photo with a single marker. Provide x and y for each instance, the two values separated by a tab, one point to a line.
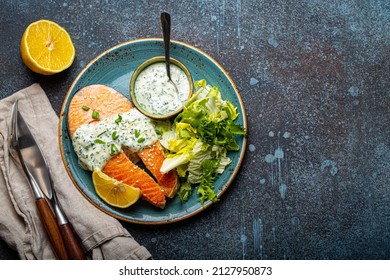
102	236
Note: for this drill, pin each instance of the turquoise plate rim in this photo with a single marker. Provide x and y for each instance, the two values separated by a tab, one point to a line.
196	60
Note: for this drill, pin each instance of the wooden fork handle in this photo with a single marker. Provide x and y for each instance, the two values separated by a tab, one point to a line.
52	229
72	243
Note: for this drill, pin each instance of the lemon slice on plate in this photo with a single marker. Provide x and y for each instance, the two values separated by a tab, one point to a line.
114	192
46	48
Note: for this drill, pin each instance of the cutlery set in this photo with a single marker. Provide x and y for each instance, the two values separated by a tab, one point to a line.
63	239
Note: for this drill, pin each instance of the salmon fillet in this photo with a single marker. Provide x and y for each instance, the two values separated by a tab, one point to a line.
108	102
153	158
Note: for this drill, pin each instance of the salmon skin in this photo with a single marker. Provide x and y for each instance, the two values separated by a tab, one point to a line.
108	102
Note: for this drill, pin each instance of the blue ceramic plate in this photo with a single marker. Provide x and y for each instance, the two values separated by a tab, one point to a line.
114	68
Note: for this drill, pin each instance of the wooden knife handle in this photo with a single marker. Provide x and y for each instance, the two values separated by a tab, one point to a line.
51	226
72	243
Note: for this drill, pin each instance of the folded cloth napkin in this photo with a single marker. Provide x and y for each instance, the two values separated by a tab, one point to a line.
102	236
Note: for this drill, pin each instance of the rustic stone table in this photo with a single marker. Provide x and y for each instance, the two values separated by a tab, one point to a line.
314	78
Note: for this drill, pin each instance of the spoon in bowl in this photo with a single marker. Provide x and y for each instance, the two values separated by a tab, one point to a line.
166	29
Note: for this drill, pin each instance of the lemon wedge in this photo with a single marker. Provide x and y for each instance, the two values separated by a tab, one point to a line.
46	48
114	192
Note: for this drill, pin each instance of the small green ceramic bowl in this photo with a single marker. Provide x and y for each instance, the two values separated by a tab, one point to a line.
140	105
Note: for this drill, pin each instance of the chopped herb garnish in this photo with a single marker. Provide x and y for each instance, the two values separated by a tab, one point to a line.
102	133
136	133
141	140
114	135
98	141
95	115
85	108
158	132
118	119
114	149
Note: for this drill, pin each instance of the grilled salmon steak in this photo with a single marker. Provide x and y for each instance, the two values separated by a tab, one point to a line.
109	103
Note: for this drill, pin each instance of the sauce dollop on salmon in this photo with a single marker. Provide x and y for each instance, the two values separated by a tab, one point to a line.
95	144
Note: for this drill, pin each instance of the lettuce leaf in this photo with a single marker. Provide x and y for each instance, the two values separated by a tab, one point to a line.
185	150
185	191
213	153
206	186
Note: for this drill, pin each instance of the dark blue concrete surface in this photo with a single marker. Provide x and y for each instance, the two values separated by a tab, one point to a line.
314	78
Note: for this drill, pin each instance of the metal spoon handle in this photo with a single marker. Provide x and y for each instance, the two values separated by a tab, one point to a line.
166	29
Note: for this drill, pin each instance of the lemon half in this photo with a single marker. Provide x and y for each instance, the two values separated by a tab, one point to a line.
46	48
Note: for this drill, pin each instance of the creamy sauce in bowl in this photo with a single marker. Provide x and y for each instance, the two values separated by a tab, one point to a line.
96	144
154	94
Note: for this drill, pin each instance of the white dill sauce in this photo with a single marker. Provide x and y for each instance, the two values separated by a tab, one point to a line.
96	144
155	94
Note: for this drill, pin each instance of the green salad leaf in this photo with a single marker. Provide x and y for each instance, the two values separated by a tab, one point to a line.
199	139
206	186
